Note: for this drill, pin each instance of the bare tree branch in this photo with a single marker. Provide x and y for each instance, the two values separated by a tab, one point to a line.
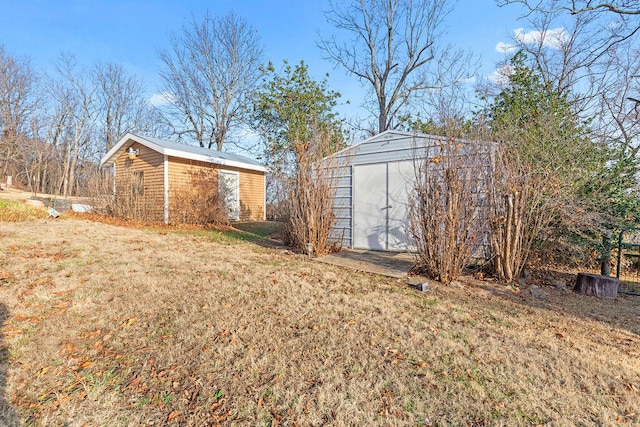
123	107
593	60
18	102
76	95
392	44
209	72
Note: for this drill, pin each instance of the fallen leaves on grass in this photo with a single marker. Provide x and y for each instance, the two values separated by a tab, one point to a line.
212	334
129	322
6	276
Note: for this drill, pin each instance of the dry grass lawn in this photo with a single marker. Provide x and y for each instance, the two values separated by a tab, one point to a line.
107	325
17	194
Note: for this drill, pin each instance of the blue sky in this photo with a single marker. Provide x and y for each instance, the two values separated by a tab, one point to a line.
131	32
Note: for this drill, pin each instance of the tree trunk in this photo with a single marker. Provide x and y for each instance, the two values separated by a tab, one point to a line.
597	286
382	117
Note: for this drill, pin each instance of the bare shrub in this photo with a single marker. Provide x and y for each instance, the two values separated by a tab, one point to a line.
198	201
521	204
511	235
94	182
311	190
277	204
446	208
98	188
124	198
201	202
128	202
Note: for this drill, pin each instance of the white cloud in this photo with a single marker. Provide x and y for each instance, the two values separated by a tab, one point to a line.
160	99
503	47
554	38
247	132
501	75
612	25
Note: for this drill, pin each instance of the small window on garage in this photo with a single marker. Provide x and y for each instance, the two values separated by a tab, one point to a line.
137	183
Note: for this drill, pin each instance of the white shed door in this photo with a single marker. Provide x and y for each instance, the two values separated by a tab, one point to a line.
229	183
401	179
370	207
380	208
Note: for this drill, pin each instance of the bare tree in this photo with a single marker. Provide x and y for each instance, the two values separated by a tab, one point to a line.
209	72
588	51
619	121
18	101
35	157
76	97
123	107
571	39
393	48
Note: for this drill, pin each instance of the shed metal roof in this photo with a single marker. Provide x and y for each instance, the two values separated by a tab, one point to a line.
184	151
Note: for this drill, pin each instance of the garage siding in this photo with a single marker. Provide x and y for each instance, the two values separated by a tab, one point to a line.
150	163
252	200
251	185
183	173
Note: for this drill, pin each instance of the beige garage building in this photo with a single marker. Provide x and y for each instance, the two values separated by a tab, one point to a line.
160	170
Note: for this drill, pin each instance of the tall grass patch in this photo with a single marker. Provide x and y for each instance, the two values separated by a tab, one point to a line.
12	211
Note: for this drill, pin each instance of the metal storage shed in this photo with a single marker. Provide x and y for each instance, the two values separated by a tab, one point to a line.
372	192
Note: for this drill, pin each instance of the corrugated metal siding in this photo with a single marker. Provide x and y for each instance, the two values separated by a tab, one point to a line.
389	148
384	148
342	203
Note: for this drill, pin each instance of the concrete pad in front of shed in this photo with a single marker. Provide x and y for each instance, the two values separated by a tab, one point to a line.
391	264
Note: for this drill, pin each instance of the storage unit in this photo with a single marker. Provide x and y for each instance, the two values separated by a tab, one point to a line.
373	189
161	170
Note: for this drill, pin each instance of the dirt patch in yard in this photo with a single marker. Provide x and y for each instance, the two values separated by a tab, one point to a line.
20	195
107	325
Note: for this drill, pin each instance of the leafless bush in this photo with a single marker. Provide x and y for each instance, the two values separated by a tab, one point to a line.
129	204
123	199
446	208
510	239
201	202
521	204
97	187
277	204
198	201
311	191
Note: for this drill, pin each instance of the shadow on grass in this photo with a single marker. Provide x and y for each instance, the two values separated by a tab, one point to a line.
260	228
622	312
263	233
8	416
